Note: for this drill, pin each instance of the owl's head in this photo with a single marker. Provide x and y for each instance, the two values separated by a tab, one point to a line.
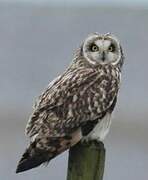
102	49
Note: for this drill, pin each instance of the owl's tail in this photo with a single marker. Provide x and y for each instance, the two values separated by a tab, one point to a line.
32	158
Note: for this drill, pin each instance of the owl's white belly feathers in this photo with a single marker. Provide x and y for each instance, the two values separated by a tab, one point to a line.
100	130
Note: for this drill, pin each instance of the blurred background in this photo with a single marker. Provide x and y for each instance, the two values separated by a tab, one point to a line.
37	41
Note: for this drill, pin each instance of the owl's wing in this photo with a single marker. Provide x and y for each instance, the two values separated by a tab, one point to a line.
54	106
71	99
50	85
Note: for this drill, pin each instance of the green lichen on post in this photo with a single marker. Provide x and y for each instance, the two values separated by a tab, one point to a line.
86	161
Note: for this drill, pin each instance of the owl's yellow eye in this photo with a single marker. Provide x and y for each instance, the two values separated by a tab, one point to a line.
94	48
111	48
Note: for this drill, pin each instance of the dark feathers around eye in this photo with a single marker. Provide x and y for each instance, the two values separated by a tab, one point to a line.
112	47
93	47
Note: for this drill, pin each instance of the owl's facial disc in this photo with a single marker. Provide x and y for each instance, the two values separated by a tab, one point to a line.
102	49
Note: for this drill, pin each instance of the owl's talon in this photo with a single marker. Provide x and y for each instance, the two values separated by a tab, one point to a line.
85	140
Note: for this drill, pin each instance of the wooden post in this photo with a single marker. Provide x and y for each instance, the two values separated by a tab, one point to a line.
86	161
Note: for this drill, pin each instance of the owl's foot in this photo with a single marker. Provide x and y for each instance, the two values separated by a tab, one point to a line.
88	139
87	142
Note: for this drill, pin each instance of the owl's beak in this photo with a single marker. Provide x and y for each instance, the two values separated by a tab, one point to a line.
103	56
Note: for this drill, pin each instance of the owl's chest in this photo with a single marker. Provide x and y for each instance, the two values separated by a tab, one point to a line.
90	99
101	94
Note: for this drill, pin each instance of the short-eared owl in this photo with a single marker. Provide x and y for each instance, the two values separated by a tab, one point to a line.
78	104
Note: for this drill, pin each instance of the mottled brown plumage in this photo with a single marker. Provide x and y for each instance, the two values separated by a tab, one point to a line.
74	103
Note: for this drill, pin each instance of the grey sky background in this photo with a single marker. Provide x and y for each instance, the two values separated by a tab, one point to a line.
37	42
84	2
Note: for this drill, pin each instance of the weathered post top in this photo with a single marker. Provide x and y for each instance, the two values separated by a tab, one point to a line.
86	161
